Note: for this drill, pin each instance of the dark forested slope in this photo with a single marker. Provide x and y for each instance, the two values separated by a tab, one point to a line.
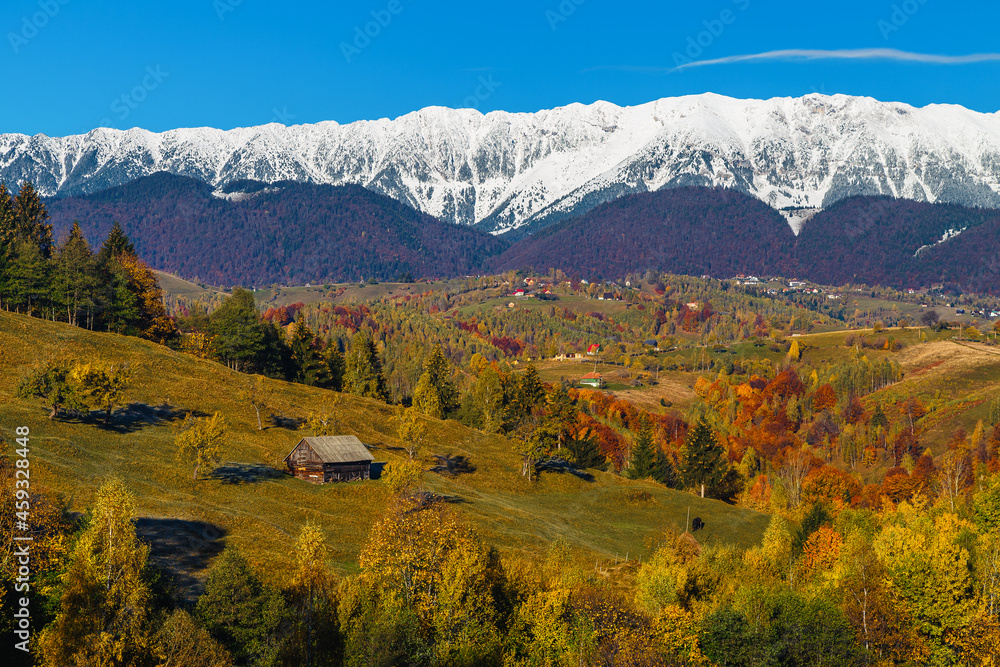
692	230
902	243
284	233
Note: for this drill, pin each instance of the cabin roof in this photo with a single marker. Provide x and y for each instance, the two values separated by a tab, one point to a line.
591	376
337	448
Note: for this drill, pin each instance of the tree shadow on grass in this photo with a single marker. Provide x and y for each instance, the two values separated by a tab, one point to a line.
136	416
452	466
183	549
245	473
290	423
562	466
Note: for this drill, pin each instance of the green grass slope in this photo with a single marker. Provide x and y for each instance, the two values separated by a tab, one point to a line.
250	503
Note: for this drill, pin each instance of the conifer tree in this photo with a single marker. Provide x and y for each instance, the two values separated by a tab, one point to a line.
561	413
75	275
238	336
8	235
530	390
363	373
310	367
117	244
32	220
240	611
703	464
334	360
30	278
643	461
435	393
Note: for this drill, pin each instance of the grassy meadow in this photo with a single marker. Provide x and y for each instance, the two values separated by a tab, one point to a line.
249	501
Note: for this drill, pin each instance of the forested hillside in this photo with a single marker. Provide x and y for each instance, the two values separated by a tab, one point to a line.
285	233
902	243
687	230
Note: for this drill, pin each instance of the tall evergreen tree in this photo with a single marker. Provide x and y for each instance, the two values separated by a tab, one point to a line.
363	374
30	280
75	275
561	413
334	360
238	336
663	469
116	244
530	390
703	464
643	463
435	394
310	367
8	234
32	220
240	611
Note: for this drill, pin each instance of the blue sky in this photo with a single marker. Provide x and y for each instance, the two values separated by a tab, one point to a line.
72	65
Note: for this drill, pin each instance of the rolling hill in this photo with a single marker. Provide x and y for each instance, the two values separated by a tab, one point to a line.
249	502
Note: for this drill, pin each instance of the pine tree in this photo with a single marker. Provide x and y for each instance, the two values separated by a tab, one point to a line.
8	235
32	220
121	309
29	275
75	275
663	469
530	390
238	336
117	244
240	611
363	373
703	464
435	394
310	367
334	360
643	461
561	413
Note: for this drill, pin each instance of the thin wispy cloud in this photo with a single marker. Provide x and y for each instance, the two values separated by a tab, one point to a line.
846	54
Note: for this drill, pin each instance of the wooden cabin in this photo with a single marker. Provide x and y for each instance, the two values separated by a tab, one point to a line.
330	458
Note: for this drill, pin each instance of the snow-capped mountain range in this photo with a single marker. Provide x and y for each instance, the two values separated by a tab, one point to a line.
503	170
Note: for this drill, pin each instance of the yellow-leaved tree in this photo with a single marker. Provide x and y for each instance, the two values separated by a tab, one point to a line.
103	613
102	386
200	441
314	637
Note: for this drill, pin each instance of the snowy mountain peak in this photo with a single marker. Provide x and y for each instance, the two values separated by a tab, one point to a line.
504	170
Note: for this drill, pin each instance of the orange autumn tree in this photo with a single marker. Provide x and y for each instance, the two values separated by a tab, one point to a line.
151	320
825	398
